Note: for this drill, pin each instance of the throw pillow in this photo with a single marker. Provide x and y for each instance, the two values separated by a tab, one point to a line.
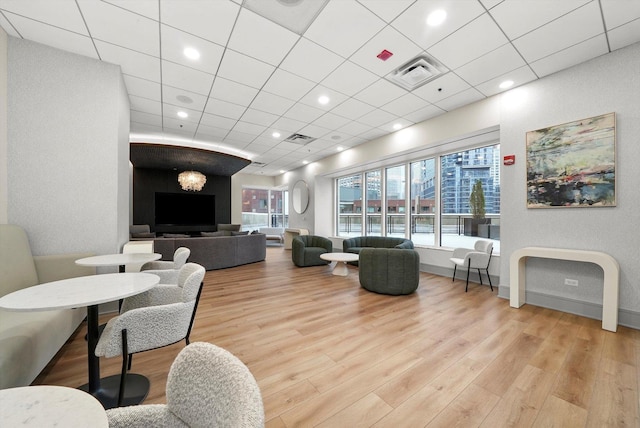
246	232
175	235
219	233
143	235
231	227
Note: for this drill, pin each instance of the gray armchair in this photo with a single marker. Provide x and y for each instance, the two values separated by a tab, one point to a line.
152	320
206	386
389	270
306	250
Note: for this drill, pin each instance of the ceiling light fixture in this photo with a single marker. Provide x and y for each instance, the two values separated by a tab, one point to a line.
397	126
436	17
182	114
506	84
191	53
282	171
340	148
192	180
323	99
276	134
304	162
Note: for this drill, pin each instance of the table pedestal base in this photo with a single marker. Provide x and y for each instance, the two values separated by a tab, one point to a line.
136	390
340	268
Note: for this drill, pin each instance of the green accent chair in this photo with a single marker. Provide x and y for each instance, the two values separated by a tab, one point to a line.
306	250
389	270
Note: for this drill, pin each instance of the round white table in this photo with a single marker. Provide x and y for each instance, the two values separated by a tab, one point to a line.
340	261
120	260
89	291
50	406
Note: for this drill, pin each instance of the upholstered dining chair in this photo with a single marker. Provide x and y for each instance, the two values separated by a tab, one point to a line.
477	258
168	270
154	321
207	386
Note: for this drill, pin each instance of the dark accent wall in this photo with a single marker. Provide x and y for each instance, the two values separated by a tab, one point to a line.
146	182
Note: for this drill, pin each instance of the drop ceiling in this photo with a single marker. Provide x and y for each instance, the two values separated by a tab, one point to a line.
256	76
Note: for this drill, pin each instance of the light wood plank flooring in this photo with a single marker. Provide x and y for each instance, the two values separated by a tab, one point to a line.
327	353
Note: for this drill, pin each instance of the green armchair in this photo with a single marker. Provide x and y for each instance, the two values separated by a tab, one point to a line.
389	270
306	250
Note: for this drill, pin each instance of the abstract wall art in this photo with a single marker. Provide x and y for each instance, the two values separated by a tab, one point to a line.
573	164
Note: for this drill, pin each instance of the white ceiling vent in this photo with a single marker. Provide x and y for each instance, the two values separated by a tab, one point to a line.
416	72
256	163
299	139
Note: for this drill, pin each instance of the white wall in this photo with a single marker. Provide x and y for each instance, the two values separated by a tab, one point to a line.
68	150
3	127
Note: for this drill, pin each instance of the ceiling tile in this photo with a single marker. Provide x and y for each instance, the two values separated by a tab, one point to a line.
571	56
331	121
412	23
404	105
354	128
311	61
402	48
311	98
388	10
285	84
63	14
247	128
424	113
175	41
441	88
187	129
343	27
489	4
171	112
518	17
8	28
493	64
349	78
377	117
519	77
286	124
303	113
239	136
296	15
205	131
232	92
314	131
211	20
392	126
180	97
52	36
224	109
380	93
244	69
352	109
182	77
373	133
150	9
121	27
142	88
145	105
260	38
146	118
618	12
142	128
271	103
217	121
458	100
478	37
566	31
259	117
624	35
131	62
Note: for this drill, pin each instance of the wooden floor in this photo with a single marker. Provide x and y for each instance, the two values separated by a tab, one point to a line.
327	353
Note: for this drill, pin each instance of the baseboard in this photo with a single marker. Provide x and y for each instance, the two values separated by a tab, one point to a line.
626	317
461	274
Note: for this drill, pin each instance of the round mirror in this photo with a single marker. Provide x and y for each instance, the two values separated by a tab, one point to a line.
300	197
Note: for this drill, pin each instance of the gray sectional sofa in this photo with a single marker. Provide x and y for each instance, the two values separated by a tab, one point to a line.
216	252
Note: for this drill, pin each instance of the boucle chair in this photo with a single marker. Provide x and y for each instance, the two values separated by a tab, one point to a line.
306	250
168	270
153	325
207	386
391	271
477	258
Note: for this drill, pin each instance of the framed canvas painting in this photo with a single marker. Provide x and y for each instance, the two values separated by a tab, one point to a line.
573	164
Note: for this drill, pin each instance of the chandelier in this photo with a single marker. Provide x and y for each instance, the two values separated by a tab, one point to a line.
192	180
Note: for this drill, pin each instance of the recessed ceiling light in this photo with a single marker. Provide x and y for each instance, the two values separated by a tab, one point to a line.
276	135
191	53
305	162
282	171
183	114
339	148
506	84
397	126
436	17
323	99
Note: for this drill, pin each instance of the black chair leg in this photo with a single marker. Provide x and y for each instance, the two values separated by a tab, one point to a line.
123	373
454	273
468	270
489	276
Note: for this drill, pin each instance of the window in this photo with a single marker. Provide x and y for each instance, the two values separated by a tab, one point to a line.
437	210
264	208
350	205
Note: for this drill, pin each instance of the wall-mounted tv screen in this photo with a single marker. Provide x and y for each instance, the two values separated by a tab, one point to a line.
185	209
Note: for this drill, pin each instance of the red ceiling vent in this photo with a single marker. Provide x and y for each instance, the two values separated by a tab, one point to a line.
384	55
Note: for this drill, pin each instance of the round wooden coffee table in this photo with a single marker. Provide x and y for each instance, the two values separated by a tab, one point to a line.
339	261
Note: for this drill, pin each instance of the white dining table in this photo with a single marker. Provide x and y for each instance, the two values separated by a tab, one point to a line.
89	291
118	259
45	406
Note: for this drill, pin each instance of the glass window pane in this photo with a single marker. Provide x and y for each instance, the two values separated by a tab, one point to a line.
374	207
460	173
255	208
396	201
277	208
350	205
423	201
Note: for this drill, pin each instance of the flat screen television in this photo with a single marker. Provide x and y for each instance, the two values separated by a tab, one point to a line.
185	209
